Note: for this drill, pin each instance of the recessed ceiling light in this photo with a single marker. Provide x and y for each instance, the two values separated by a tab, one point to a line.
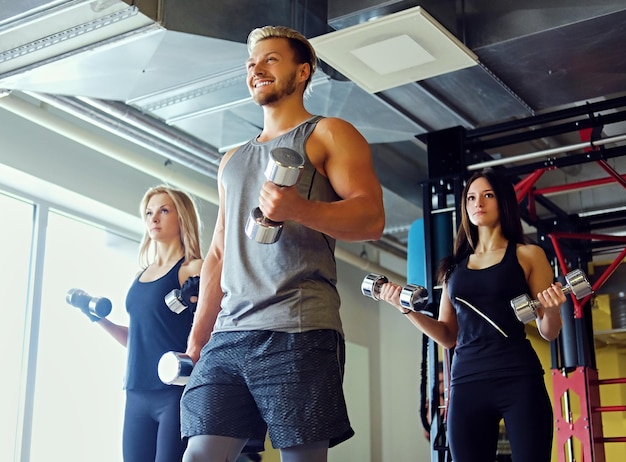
394	50
393	55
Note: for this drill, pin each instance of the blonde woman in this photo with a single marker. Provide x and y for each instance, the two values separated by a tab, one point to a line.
169	255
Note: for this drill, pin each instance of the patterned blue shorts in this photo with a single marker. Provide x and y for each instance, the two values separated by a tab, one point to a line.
246	383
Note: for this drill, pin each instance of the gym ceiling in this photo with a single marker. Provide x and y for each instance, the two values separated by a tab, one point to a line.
545	80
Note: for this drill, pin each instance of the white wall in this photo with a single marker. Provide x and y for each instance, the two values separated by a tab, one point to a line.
390	345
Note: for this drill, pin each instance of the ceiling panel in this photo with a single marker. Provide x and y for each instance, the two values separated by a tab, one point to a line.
184	77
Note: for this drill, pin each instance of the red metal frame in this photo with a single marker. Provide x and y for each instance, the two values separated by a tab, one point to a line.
556	235
587	428
583	381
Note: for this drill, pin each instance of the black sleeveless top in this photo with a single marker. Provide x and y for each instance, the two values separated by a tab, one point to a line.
153	330
497	346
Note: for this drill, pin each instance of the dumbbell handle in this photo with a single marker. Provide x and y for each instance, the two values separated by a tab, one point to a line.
412	296
576	284
175	368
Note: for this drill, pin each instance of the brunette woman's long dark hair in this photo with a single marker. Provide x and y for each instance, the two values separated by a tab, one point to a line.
467	236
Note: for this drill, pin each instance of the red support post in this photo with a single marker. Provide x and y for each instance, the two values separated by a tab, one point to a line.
587	428
523	187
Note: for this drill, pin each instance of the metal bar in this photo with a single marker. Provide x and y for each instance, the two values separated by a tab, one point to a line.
611	171
139	129
605	275
110	148
614	439
611	381
590	236
535	133
609	271
609	409
566	161
578	186
578	305
523	187
31	333
545	118
117	39
545	153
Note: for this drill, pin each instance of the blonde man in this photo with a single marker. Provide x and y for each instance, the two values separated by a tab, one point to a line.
267	337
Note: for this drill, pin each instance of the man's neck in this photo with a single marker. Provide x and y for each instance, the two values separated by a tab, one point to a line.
279	119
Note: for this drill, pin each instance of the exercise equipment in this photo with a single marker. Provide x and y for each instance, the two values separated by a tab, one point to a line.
412	296
178	300
175	368
283	169
95	308
576	283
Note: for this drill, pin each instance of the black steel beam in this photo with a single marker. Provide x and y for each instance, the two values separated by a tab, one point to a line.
546	118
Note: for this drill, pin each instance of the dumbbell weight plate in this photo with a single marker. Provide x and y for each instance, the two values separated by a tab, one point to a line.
174	303
284	167
413	297
577	284
175	368
524	308
261	229
370	287
100	307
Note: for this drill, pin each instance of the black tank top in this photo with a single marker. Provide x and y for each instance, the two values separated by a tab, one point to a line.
497	346
153	330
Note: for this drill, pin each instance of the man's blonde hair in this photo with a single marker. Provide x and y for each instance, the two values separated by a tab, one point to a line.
302	48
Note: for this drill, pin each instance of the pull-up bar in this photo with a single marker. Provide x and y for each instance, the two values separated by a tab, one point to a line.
546	152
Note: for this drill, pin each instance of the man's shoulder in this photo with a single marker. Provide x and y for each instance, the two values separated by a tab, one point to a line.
327	125
331	121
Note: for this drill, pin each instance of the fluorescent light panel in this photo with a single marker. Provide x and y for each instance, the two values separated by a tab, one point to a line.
394	50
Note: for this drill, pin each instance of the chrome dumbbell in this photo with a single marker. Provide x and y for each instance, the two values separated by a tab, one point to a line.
284	169
178	300
175	302
95	308
576	284
412	297
175	368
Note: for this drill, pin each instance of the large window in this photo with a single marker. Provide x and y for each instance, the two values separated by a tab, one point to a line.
15	240
65	399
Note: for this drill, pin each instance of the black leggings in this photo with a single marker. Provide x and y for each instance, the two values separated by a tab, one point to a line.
476	409
152	426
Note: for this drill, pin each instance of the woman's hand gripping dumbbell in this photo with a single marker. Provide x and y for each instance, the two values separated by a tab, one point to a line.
412	297
576	284
95	308
179	300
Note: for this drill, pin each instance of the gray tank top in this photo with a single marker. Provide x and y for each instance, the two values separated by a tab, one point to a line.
287	286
